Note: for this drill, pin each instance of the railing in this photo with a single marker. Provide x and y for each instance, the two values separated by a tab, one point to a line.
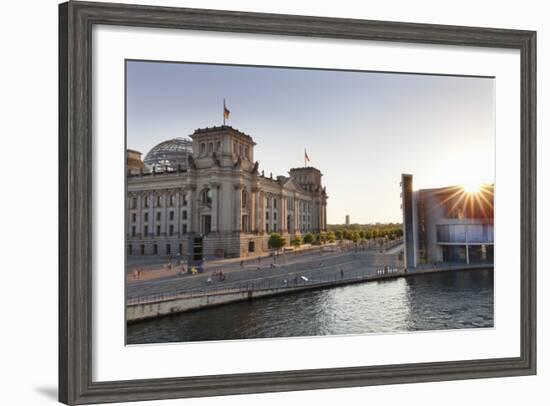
291	283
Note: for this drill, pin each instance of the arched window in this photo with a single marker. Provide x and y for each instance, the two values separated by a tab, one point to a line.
244	198
210	147
206	196
203	148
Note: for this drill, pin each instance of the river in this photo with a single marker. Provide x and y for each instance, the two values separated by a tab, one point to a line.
448	300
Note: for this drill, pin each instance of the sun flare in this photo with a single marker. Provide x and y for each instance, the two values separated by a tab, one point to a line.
472	186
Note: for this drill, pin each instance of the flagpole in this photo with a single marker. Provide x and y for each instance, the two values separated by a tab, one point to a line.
223	111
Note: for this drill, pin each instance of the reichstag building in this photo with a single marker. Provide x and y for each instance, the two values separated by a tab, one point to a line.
211	186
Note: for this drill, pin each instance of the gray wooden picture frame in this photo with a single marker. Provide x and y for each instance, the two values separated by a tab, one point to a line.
76	20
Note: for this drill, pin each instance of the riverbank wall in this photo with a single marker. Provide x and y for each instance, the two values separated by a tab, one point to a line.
166	304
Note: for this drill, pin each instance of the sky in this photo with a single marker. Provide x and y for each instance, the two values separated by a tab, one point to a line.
362	130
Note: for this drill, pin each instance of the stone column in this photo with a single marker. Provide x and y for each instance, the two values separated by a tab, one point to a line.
165	201
258	222
238	189
215	188
139	214
262	211
324	216
153	219
192	212
282	213
253	210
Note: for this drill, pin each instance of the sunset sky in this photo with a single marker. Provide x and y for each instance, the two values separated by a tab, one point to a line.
361	129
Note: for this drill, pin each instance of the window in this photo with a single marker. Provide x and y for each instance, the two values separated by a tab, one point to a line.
142	249
206	196
158	230
184	215
218	146
203	148
159	200
130	249
210	147
274	228
146	217
184	199
244	198
267	227
133	203
246	153
235	148
171	215
184	228
146	201
133	217
267	215
171	200
146	230
171	229
133	231
159	215
275	216
274	203
168	249
180	251
206	224
240	150
155	249
244	223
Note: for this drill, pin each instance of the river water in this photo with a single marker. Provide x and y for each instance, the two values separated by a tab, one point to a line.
448	300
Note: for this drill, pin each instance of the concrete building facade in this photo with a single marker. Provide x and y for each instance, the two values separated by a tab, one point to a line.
447	225
221	195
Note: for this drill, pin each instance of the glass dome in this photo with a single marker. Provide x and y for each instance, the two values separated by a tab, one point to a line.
170	153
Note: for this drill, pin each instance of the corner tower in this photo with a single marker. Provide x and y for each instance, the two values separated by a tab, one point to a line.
222	146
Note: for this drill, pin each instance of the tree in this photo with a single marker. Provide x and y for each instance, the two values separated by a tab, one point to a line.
361	234
297	241
331	237
276	241
322	237
308	238
338	234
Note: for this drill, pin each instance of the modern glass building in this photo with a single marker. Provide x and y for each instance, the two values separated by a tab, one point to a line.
447	225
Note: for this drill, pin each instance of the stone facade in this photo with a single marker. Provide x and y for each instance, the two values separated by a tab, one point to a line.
222	196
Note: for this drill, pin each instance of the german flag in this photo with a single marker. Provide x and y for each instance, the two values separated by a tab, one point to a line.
226	111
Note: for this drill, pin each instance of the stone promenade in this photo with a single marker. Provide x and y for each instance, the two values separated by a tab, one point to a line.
284	270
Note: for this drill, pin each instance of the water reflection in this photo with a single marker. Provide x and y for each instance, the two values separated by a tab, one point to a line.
425	302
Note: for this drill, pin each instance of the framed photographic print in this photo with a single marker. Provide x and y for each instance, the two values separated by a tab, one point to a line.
257	202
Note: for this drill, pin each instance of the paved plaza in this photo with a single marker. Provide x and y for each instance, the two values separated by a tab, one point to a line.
312	264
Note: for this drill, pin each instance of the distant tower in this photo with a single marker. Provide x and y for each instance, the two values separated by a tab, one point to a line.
347	219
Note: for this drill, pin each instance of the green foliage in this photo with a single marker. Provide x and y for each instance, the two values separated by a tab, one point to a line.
355	232
296	242
276	241
331	236
308	238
